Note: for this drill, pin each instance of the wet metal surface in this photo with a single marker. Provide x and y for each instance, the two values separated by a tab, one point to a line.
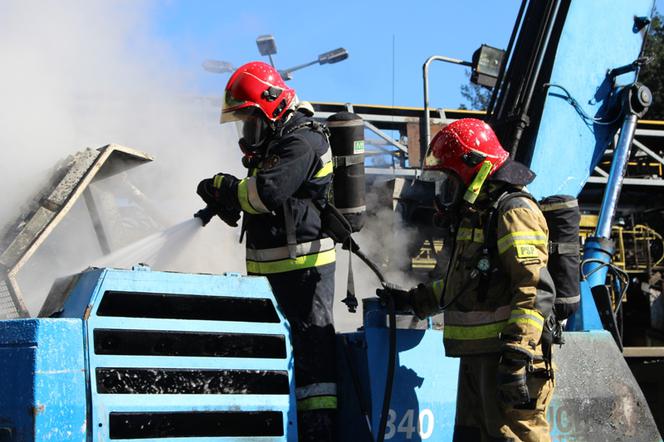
181	381
596	396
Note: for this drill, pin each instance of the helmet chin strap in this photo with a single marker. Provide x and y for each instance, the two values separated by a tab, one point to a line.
278	126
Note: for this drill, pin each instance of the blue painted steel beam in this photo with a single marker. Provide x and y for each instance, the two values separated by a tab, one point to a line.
571	141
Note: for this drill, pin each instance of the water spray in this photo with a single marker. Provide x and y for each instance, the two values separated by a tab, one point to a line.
157	249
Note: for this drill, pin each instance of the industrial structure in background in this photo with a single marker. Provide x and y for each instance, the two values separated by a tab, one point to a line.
137	354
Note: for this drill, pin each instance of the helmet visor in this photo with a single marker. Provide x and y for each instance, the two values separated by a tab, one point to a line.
252	126
448	189
231	107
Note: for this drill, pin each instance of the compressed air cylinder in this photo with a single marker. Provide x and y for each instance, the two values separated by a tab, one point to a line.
347	142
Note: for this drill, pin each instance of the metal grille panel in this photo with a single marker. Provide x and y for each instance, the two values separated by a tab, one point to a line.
8	309
168	349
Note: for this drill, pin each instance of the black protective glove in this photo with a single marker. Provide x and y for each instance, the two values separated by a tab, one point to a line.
402	298
205	215
229	216
220	191
511	378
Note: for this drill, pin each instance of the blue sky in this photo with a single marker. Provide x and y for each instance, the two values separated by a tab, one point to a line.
386	40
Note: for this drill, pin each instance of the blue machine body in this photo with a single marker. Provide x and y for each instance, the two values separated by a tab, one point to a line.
593	381
127	370
110	367
43	380
425	382
153	356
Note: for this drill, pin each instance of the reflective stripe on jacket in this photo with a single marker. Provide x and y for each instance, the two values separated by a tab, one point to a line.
277	260
318	396
296	172
520	292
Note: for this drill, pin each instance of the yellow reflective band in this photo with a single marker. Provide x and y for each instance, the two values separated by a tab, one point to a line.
525	311
216	183
464	234
287	265
470	234
477	183
526	316
478	236
243	197
528	237
317	403
438	288
473	332
277	253
325	170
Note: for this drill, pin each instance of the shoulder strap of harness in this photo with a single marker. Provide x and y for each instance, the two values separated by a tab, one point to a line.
491	221
289	220
490	246
316	127
311	124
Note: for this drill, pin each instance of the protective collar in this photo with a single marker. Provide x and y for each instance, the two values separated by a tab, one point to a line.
514	173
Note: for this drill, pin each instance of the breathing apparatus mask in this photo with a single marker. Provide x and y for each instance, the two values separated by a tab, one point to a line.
448	191
451	194
254	130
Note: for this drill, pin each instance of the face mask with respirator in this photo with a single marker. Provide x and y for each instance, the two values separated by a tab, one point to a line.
451	195
255	130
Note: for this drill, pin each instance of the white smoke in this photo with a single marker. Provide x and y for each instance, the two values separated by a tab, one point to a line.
80	74
387	242
84	73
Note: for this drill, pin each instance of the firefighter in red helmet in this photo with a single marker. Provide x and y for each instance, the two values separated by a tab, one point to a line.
497	293
289	175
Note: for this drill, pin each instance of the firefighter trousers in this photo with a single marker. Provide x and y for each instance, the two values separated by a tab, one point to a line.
306	298
480	416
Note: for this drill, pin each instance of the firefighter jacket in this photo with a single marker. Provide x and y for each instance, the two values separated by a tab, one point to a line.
279	198
501	293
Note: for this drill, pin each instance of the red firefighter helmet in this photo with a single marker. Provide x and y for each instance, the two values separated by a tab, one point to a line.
462	147
257	85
